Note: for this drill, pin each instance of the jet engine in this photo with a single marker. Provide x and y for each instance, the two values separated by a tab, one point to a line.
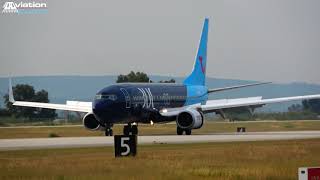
190	119
90	122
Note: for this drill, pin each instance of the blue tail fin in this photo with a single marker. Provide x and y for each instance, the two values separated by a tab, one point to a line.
198	74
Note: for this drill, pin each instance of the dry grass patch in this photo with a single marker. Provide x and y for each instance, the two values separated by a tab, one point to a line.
240	160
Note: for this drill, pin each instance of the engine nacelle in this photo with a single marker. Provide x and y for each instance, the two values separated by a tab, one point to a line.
90	122
190	119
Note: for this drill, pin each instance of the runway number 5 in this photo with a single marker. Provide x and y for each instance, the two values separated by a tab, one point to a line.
125	145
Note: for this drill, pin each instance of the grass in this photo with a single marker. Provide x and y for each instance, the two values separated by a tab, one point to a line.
237	160
209	127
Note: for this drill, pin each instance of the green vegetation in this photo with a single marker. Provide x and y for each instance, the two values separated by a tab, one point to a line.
133	77
4	113
12	121
139	77
158	129
312	105
25	92
309	109
295	112
286	116
167	81
237	160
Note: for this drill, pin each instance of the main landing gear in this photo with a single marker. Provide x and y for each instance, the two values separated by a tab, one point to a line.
130	129
127	130
180	131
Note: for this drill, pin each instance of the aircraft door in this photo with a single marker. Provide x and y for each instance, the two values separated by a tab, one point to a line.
126	96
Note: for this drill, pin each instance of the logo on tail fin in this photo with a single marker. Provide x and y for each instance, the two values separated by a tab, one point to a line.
203	69
198	74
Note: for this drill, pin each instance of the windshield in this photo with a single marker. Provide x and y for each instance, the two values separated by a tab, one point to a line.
111	97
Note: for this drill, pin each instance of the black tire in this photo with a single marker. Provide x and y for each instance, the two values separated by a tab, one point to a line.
179	131
134	130
126	130
108	132
188	131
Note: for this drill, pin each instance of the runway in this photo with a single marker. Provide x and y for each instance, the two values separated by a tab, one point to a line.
68	142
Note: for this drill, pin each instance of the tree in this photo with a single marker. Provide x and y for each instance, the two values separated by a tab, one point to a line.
312	105
133	77
295	108
22	92
25	92
43	96
139	77
166	81
4	112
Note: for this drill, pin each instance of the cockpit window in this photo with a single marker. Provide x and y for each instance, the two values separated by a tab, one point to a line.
111	97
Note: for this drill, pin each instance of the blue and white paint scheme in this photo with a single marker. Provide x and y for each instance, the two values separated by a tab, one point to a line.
133	103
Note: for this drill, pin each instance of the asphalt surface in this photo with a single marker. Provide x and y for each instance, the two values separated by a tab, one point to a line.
68	142
222	122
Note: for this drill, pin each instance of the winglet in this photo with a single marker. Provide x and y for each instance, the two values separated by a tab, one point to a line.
11	98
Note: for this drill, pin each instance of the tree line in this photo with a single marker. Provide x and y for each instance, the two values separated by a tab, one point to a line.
25	92
308	109
136	77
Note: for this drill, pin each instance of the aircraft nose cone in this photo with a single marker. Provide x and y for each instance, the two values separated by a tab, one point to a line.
99	109
99	106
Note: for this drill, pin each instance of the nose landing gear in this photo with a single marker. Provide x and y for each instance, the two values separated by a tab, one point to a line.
130	129
109	131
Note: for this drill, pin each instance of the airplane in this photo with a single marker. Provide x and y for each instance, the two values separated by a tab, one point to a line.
133	103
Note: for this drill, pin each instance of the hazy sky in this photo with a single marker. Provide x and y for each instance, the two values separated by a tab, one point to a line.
265	40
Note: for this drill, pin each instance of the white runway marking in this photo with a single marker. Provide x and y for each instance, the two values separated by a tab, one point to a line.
67	142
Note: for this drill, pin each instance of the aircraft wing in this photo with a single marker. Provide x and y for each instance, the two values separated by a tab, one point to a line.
67	107
235	87
216	105
77	106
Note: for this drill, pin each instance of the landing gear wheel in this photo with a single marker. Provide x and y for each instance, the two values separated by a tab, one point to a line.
188	131
126	130
179	131
108	132
134	130
111	132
